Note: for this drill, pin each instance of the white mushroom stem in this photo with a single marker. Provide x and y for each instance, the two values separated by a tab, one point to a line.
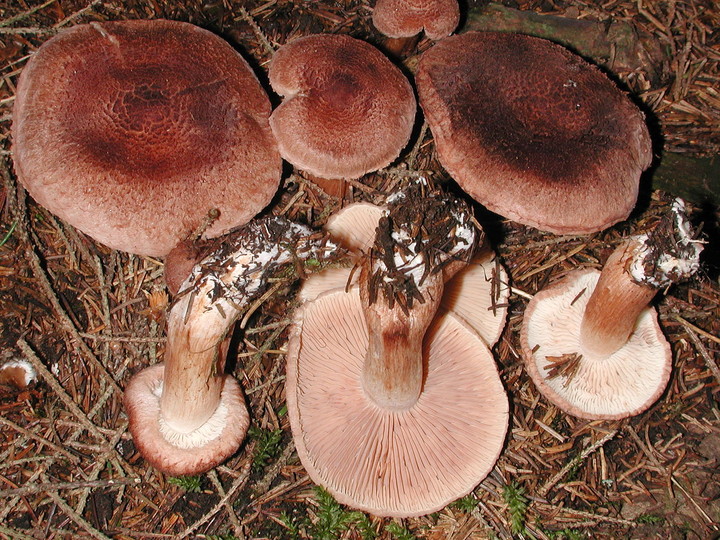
632	275
614	305
195	356
392	374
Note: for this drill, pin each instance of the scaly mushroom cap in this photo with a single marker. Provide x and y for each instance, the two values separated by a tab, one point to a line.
196	451
623	384
131	131
347	109
405	18
391	463
532	131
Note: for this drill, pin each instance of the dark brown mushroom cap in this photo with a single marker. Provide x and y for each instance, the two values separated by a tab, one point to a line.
405	18
532	131
347	109
131	131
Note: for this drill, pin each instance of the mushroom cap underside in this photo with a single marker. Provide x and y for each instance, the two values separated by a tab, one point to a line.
406	18
347	110
132	131
194	452
391	463
532	131
624	384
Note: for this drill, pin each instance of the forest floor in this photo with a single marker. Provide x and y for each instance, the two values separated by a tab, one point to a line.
87	318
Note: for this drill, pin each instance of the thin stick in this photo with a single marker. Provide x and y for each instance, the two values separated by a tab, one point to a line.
236	486
574	462
75	517
72	457
25	14
693	331
60	486
269	48
221	491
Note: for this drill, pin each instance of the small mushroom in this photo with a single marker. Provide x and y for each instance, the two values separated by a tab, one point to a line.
132	130
397	409
186	415
592	343
347	110
406	18
532	131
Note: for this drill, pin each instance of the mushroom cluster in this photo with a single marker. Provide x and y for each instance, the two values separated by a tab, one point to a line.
136	131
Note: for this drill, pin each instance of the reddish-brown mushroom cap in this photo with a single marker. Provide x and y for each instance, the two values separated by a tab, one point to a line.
532	131
131	131
391	463
622	384
405	18
347	109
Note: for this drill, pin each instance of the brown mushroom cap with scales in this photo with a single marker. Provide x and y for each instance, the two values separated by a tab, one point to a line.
347	110
131	131
405	18
532	131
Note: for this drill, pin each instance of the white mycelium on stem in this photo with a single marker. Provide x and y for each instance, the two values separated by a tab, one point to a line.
632	276
418	246
193	405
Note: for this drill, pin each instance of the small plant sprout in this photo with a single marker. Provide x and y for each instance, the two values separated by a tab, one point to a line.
186	415
592	343
517	502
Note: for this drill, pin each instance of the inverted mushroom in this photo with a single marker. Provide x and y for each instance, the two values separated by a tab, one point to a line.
405	18
132	131
186	415
532	131
347	110
396	409
592	343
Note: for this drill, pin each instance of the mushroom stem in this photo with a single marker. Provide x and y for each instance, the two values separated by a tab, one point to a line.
632	275
195	359
393	370
615	304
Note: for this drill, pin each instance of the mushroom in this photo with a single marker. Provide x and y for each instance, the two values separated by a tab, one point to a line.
132	130
186	415
477	293
532	131
397	409
592	343
406	18
347	110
